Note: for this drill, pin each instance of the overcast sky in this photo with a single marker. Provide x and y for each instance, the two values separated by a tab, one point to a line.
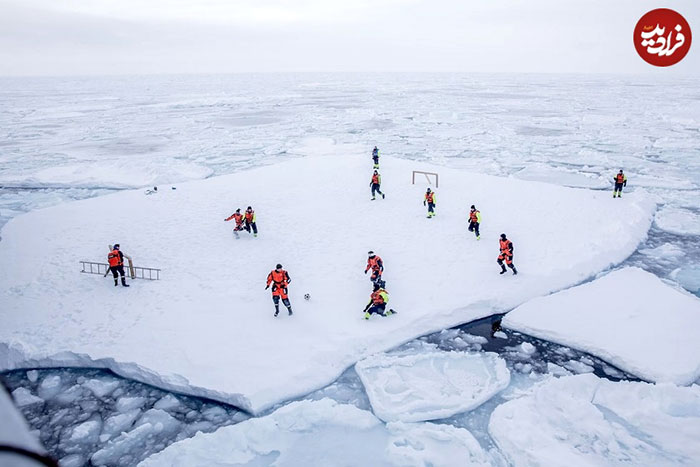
69	37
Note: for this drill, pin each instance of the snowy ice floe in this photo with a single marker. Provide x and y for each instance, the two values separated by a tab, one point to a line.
585	420
316	433
432	385
560	176
688	277
677	220
126	172
207	327
629	318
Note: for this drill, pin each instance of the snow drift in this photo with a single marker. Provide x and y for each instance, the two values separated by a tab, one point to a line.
207	328
629	318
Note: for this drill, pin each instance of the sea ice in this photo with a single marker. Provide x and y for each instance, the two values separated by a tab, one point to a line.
101	387
193	330
584	420
324	432
629	318
24	397
689	278
677	220
431	385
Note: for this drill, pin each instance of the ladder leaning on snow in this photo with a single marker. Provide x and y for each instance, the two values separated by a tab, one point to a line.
137	272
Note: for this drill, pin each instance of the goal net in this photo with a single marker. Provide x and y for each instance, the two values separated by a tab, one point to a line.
428	176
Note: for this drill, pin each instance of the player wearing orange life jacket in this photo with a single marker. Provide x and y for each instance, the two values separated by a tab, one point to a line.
279	278
429	199
249	219
375	263
620	180
116	265
506	247
375	183
377	302
238	217
474	221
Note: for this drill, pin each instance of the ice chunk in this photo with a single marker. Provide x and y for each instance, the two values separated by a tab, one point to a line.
154	425
663	252
166	346
74	440
73	460
24	397
527	348
70	396
677	220
101	387
689	278
429	386
49	387
125	404
322	433
585	420
120	422
578	367
32	376
167	402
629	318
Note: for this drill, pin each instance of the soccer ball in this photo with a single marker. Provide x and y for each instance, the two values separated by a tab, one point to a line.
307	296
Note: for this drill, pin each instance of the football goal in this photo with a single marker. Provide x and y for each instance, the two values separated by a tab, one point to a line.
428	176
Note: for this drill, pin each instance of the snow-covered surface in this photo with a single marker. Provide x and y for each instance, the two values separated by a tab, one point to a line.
629	318
430	385
587	421
678	220
318	433
210	312
560	176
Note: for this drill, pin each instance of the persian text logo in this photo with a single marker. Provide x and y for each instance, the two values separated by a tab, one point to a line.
662	37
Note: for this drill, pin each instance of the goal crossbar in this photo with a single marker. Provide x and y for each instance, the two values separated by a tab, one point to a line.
427	177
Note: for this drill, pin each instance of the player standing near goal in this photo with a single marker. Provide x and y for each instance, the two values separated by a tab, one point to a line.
430	201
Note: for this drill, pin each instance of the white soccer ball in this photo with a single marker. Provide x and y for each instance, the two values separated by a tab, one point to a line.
307	296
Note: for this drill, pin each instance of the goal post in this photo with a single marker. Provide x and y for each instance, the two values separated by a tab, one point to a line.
427	177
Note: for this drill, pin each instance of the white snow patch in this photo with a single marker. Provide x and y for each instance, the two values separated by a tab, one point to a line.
585	420
322	433
629	318
433	385
677	220
210	309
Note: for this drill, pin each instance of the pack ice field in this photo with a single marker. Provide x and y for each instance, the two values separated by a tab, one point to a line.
577	184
